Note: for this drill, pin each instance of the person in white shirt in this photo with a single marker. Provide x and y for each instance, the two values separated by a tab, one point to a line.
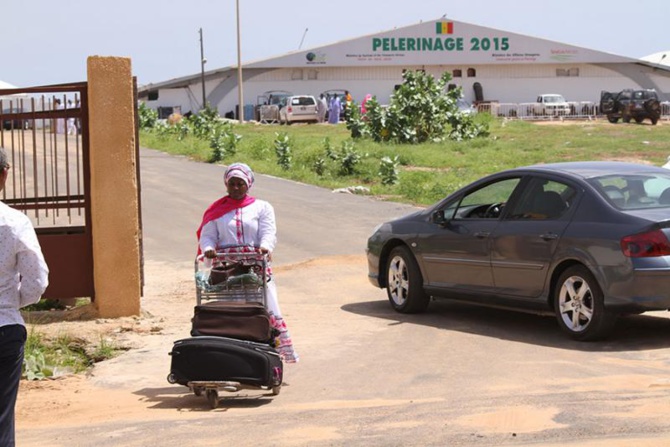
23	280
240	219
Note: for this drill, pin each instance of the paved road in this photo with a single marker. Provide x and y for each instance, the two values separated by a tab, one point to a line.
458	375
311	221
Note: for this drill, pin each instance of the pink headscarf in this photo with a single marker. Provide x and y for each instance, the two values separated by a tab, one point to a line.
241	171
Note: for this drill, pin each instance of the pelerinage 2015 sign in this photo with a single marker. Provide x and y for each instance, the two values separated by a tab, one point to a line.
486	43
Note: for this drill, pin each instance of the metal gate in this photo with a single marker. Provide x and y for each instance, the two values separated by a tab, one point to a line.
45	133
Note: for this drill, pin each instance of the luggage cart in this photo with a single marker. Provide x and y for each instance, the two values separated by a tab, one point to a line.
237	274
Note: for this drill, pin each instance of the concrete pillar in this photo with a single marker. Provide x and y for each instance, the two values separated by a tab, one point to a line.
114	186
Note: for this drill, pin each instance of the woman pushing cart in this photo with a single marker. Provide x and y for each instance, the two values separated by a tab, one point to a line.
242	220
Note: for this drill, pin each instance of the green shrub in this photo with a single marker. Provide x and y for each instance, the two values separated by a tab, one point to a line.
282	145
388	170
147	117
420	110
349	158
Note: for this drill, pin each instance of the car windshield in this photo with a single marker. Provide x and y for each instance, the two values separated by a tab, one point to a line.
302	101
634	191
554	99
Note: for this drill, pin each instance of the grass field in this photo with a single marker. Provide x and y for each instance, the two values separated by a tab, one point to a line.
428	172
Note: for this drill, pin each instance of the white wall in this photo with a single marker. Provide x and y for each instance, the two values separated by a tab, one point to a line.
502	83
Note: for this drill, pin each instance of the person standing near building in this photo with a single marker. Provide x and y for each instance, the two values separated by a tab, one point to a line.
71	126
321	108
60	122
23	280
334	110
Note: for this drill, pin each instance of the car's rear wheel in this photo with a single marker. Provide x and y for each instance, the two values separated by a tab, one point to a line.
579	305
639	119
612	119
404	284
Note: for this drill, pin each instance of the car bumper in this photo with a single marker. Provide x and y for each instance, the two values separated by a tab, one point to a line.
373	269
647	289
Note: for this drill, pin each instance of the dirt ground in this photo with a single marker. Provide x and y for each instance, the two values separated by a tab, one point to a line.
167	307
133	386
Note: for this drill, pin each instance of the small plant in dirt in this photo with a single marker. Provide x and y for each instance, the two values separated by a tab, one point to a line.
45	357
320	166
328	149
349	158
282	145
223	142
388	170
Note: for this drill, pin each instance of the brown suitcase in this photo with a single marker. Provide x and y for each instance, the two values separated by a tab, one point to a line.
240	320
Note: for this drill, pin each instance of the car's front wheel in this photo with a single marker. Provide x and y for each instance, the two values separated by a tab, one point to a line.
579	305
404	282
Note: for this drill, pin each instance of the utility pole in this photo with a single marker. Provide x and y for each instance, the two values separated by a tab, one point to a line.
240	107
303	38
203	61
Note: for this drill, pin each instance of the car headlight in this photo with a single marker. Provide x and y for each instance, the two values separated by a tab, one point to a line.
376	228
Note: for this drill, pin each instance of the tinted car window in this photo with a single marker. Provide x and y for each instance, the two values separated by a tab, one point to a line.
543	199
481	203
635	191
303	101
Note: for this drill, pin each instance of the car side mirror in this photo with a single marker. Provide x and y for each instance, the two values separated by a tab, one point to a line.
439	218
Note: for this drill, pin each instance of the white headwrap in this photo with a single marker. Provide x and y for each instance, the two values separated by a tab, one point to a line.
241	171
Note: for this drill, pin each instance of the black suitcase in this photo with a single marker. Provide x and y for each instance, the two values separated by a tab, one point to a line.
213	359
240	320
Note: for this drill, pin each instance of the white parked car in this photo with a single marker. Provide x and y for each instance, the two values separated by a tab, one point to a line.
466	107
550	104
299	108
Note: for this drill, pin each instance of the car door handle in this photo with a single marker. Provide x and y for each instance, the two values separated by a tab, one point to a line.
549	236
482	234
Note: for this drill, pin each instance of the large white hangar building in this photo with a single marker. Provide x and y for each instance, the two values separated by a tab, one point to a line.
489	64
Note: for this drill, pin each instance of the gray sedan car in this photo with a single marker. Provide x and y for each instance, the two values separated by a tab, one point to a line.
587	241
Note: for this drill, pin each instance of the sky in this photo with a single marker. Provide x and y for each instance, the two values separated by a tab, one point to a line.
48	42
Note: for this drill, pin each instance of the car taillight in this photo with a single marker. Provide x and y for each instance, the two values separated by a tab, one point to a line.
290	109
646	245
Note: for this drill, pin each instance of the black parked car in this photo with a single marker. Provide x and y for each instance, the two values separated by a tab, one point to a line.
586	241
9	122
631	104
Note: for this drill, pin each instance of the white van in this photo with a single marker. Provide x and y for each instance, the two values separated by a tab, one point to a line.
298	108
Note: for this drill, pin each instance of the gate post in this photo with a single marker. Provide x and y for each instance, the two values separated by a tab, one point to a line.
114	187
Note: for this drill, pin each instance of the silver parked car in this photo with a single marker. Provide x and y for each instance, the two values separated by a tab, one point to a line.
300	108
586	241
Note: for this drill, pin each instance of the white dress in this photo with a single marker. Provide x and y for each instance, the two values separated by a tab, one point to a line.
252	225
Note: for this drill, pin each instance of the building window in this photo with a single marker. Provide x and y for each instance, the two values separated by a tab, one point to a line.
567	72
472	72
312	75
296	75
153	95
458	73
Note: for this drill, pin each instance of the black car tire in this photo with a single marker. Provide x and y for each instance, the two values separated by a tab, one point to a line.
639	119
612	119
579	305
404	283
652	106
